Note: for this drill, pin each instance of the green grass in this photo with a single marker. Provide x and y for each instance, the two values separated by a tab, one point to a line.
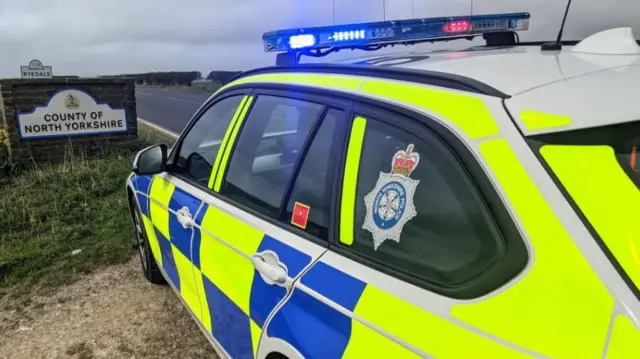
149	135
48	212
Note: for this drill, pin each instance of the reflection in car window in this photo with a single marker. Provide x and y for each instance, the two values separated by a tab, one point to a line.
311	194
623	139
284	118
200	146
416	210
262	162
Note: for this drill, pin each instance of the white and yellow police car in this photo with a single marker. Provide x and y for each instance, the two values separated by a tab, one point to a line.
453	204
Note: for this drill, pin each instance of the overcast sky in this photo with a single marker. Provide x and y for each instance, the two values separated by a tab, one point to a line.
91	37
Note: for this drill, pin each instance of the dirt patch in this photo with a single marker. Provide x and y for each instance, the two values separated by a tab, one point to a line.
113	313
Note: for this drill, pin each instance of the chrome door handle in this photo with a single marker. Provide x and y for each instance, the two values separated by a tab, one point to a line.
184	218
269	267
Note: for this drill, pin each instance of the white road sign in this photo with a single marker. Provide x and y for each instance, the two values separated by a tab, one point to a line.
71	113
36	70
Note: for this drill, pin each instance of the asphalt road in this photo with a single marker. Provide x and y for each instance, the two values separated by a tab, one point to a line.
169	109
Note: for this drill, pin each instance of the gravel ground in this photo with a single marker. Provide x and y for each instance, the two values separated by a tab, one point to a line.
113	313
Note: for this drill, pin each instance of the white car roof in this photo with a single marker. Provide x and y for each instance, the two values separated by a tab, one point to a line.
511	70
591	89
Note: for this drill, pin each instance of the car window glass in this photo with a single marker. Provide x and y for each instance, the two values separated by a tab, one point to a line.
262	162
309	204
416	211
201	145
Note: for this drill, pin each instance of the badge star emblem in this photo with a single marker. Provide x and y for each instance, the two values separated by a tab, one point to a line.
390	204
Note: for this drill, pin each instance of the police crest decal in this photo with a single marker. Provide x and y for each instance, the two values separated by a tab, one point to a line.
390	204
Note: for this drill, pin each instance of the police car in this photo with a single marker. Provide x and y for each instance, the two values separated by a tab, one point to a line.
450	204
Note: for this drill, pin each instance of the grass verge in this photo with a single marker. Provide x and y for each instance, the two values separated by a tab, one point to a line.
148	134
60	221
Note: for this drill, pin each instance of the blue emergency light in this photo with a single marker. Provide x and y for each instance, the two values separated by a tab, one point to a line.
392	32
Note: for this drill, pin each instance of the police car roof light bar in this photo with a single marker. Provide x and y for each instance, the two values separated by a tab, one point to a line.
292	43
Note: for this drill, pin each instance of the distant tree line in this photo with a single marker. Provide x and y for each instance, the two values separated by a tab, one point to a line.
178	78
172	78
222	77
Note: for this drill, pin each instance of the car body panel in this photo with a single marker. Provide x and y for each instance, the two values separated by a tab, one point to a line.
339	307
511	69
597	99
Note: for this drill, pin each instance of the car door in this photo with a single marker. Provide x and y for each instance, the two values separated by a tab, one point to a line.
176	196
258	230
417	234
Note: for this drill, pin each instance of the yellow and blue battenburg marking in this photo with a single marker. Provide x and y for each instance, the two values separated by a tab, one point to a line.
219	284
238	299
326	331
214	274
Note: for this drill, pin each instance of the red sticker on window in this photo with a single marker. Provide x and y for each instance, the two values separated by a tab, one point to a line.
300	215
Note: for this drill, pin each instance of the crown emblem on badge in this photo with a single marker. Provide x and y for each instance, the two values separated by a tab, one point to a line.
71	101
404	162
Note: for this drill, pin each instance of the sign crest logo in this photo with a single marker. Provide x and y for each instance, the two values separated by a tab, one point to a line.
71	102
390	204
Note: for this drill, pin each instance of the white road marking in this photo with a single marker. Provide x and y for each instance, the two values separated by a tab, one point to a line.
169	98
159	128
179	99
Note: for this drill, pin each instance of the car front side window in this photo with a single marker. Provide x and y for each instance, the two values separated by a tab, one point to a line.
200	146
267	151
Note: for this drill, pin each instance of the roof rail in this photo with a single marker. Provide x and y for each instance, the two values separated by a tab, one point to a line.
433	78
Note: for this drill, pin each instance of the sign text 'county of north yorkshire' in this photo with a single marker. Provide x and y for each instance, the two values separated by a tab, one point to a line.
71	113
35	70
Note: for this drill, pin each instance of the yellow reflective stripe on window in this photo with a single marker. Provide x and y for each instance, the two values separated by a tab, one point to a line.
231	141
350	180
625	340
228	269
426	331
560	309
160	193
335	81
535	120
605	194
225	139
467	112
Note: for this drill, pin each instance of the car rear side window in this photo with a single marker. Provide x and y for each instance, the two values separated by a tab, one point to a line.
201	144
309	204
418	212
267	150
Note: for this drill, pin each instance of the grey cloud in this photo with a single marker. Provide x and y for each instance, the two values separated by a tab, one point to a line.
88	37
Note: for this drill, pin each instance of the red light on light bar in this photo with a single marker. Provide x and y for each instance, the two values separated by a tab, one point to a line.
457	26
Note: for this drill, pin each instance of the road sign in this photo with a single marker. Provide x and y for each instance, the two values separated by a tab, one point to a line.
36	70
71	112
